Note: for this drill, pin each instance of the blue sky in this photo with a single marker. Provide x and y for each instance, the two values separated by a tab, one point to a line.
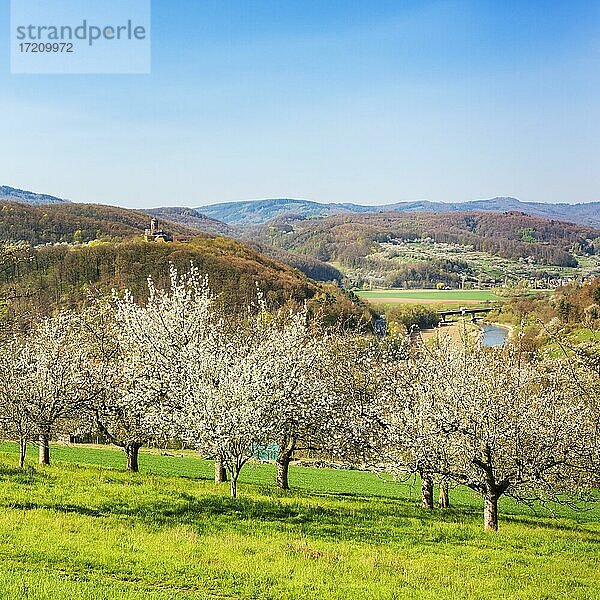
355	101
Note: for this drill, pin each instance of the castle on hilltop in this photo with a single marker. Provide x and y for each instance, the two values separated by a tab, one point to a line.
156	234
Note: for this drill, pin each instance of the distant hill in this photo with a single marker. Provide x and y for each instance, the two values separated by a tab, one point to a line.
583	213
214	218
255	212
348	238
9	194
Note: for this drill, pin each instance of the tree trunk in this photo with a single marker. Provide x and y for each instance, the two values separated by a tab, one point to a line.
426	490
490	512
493	489
444	497
132	451
220	471
283	464
287	446
234	485
22	452
44	442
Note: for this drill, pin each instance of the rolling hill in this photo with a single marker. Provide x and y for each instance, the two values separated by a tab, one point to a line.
385	245
255	212
62	255
214	218
193	219
507	234
55	223
10	194
328	242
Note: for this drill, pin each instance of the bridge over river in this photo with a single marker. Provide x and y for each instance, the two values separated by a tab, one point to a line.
492	335
465	311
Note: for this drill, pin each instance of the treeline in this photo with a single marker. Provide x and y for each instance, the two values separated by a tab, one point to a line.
311	267
177	367
412	317
392	273
550	320
37	281
575	304
427	274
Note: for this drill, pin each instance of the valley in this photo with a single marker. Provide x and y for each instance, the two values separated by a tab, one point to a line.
185	381
432	250
348	267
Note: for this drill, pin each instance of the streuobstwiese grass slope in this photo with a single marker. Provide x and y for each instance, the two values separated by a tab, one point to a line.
84	530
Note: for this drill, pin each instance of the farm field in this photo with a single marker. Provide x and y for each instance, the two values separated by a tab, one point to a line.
449	297
84	530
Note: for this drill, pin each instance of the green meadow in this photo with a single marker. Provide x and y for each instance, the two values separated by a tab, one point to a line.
83	529
423	296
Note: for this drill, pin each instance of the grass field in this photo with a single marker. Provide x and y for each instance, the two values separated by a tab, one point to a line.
83	530
429	296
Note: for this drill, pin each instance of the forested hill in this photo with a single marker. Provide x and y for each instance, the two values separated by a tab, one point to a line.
10	194
86	222
193	219
346	237
72	222
37	277
255	212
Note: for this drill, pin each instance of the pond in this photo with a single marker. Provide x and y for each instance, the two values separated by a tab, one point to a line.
494	336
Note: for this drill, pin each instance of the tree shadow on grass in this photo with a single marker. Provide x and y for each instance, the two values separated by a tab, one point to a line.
386	522
26	476
351	515
546	521
61	508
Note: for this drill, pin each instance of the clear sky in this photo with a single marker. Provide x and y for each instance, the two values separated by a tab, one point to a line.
371	101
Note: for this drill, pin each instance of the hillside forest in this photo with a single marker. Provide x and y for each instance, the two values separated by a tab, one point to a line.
61	256
381	247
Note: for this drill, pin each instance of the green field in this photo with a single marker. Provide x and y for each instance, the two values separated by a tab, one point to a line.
90	532
430	295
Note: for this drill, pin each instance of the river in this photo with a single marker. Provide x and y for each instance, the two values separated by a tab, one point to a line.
494	336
